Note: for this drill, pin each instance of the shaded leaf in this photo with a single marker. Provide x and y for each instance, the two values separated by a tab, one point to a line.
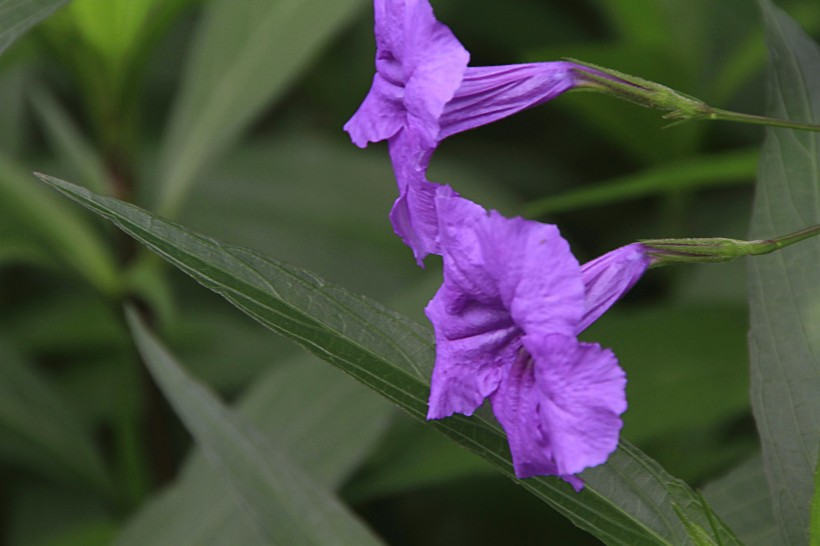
783	290
45	514
742	499
629	500
329	440
815	510
13	123
287	506
413	456
40	431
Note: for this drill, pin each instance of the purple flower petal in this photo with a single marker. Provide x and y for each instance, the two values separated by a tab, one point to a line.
475	335
414	215
434	66
490	93
419	66
560	406
506	320
609	277
474	342
501	278
380	116
424	90
537	276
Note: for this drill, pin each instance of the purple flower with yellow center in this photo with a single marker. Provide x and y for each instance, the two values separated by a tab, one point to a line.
423	92
506	319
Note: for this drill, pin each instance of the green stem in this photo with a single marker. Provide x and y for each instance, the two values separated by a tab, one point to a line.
718	249
766	246
681	107
727	115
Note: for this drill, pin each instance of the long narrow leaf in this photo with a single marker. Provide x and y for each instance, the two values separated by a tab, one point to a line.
246	54
329	440
287	505
718	170
784	294
628	501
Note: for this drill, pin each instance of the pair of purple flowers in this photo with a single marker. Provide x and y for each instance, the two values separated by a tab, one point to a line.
514	298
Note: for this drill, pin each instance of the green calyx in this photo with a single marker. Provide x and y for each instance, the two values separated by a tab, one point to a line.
718	249
640	91
680	106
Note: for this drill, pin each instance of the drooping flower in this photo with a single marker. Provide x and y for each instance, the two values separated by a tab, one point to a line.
423	91
507	317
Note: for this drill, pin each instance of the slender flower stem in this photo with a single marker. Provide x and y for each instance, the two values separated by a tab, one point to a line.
718	249
680	106
728	115
767	246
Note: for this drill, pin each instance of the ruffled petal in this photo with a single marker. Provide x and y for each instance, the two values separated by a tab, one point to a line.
560	404
538	278
414	218
414	215
434	65
490	93
475	335
389	27
583	396
380	116
464	268
419	66
474	343
609	277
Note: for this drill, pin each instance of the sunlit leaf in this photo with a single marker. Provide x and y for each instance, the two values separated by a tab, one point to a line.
783	289
630	500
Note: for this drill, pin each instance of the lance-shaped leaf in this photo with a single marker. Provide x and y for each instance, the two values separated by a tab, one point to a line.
330	441
245	55
629	501
784	294
286	504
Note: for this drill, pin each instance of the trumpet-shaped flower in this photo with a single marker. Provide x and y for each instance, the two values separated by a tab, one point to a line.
423	91
506	320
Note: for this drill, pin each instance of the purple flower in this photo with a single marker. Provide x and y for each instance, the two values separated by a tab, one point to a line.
507	317
423	92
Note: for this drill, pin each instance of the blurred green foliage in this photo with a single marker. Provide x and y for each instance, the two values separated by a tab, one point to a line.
227	115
